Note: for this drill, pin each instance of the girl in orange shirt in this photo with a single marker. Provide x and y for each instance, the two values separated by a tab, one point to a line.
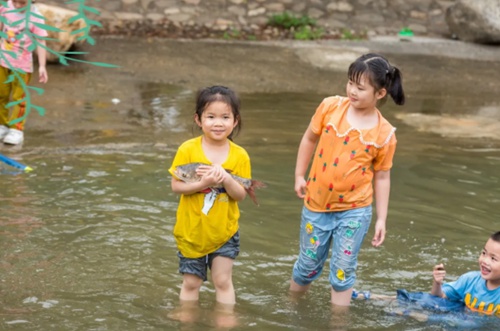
353	146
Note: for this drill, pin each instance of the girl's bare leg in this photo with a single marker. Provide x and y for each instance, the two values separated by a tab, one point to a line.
294	287
222	277
342	298
190	289
224	316
187	312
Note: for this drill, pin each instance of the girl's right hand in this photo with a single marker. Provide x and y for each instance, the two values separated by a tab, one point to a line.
212	177
439	273
219	173
300	186
203	169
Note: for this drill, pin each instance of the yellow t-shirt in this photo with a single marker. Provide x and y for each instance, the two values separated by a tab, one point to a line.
198	234
345	158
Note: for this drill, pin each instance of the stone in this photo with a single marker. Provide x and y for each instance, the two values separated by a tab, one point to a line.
126	16
58	17
237	10
145	3
112	6
275	7
315	13
418	15
299	7
475	21
171	11
418	28
339	6
179	18
257	12
155	17
436	12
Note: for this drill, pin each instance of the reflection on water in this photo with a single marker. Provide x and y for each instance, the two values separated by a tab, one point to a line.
86	239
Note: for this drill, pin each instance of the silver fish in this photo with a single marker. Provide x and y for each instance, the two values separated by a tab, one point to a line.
187	173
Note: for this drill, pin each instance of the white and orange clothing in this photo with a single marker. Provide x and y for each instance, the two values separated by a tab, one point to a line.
470	288
196	233
17	54
17	41
346	158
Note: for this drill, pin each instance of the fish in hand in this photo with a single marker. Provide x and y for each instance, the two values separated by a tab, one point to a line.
187	173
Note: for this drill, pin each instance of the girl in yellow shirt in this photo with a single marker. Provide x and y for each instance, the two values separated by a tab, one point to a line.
206	229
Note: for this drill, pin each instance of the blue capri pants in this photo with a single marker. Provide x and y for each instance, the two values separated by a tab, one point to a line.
347	229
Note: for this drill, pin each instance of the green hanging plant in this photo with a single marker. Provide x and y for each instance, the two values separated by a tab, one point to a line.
63	57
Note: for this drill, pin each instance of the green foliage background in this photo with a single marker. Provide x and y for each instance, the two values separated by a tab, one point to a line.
63	57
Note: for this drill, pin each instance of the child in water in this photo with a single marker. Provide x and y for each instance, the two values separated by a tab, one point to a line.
479	290
476	291
353	145
206	230
16	55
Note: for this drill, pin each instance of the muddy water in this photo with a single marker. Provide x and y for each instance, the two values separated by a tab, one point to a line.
86	238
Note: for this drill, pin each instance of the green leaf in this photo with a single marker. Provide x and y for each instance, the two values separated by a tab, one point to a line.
20	10
92	10
38	90
9	53
63	61
98	64
9	79
47	27
39	109
16	23
82	30
38	15
75	53
47	38
13	103
13	54
89	39
20	119
92	22
75	18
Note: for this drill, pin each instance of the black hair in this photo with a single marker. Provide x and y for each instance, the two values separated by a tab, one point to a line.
380	73
224	94
495	236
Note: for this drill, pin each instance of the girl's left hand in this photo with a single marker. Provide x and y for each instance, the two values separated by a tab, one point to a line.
220	173
379	236
210	177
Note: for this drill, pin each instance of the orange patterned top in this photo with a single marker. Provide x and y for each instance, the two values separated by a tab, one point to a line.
345	158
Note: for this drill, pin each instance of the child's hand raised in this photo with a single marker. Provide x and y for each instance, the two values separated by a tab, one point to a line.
439	273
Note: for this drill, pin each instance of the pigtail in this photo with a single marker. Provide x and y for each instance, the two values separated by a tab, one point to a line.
395	86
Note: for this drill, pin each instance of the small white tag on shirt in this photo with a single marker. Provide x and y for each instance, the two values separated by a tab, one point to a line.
209	201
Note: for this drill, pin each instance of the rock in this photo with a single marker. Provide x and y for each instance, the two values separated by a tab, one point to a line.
59	17
475	21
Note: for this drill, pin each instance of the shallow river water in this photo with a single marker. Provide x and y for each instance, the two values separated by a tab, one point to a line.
86	238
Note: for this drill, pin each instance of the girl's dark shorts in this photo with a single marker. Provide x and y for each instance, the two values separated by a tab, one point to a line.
199	266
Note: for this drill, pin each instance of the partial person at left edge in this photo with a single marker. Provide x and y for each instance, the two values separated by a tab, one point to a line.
16	57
